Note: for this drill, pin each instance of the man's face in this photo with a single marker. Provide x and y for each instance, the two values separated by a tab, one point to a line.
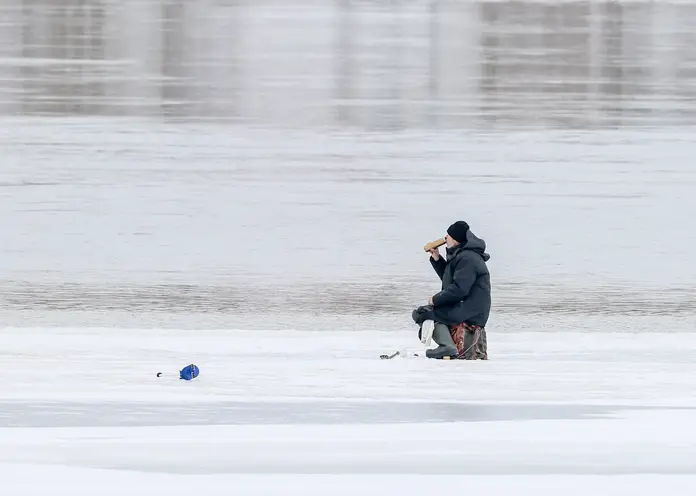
450	241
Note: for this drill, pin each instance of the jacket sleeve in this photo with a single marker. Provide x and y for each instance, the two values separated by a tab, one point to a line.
463	279
439	266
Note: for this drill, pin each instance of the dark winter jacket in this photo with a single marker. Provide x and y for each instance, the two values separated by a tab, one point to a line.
466	284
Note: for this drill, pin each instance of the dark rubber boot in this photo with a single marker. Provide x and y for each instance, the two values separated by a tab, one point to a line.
447	348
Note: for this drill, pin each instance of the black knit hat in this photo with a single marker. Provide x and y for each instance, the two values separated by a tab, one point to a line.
458	230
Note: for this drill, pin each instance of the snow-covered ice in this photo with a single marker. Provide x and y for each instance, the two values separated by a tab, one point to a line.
83	408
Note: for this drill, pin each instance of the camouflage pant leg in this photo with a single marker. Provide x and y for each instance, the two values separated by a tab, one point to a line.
471	341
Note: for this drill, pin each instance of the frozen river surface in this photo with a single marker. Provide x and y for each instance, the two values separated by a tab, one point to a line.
248	186
562	412
117	220
275	164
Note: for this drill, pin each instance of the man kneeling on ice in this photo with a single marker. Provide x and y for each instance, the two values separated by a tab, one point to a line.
456	317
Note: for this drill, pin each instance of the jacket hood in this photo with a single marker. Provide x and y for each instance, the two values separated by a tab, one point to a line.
473	243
